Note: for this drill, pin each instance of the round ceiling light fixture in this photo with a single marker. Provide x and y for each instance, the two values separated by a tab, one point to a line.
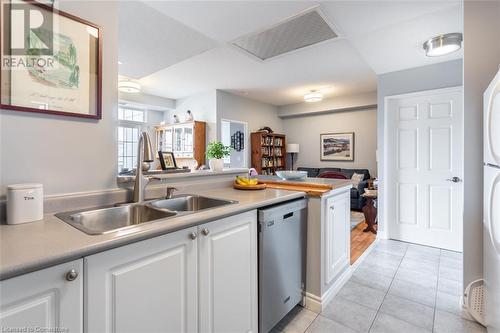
443	44
129	86
313	96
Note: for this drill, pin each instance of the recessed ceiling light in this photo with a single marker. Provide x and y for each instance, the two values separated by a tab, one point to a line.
443	44
120	63
313	96
129	86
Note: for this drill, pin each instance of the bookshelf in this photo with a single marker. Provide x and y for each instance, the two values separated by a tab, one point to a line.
268	152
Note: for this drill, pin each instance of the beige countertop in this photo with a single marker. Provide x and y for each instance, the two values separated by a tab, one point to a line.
32	246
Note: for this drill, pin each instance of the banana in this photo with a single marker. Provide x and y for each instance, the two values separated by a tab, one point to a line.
243	181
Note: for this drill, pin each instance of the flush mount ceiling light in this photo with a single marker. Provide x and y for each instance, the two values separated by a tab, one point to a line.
129	86
313	96
443	44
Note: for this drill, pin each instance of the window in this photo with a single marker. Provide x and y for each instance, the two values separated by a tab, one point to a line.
131	114
127	147
130	124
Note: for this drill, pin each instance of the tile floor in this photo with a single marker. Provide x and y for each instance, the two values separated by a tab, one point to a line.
400	287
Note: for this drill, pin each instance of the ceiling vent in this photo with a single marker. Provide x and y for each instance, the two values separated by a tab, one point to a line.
292	34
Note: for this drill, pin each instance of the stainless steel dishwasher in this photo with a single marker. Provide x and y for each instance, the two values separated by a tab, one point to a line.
282	235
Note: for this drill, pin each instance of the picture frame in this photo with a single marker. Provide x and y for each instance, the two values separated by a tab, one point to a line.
337	146
65	76
167	160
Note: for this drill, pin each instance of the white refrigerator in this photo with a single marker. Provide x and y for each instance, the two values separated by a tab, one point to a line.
492	204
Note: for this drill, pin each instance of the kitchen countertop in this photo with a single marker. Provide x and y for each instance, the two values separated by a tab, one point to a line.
315	187
32	246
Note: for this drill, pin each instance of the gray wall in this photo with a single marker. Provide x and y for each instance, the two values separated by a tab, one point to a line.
481	62
442	75
306	132
203	107
256	114
67	154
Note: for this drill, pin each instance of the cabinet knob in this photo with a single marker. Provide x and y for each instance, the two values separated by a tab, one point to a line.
193	235
71	275
205	231
332	207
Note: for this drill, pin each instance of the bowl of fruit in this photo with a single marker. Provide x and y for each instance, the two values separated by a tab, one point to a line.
245	183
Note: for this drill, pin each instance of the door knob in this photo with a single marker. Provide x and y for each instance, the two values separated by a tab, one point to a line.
71	275
453	179
193	235
205	231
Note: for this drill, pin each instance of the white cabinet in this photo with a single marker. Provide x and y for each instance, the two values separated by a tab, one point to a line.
45	299
228	274
148	286
185	140
198	279
336	210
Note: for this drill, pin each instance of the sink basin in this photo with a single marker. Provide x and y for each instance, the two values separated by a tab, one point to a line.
105	220
190	203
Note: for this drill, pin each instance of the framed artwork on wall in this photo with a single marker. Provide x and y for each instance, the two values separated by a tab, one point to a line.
52	65
337	146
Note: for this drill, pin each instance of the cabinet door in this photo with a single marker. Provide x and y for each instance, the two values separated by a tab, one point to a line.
148	286
337	235
228	274
44	299
164	139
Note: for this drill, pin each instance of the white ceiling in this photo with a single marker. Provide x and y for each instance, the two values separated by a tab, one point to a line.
194	54
149	41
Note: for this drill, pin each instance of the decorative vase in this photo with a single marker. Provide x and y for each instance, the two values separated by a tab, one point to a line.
216	164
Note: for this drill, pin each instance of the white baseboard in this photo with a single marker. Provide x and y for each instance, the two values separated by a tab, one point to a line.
382	234
317	304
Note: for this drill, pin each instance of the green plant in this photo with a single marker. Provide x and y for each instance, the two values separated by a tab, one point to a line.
217	150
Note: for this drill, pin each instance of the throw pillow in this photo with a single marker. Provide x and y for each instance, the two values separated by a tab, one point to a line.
357	178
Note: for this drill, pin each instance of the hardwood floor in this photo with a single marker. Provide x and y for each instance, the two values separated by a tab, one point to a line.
360	241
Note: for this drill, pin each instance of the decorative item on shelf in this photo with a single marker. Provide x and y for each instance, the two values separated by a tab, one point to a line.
146	166
237	140
266	129
337	146
216	151
176	119
189	116
292	148
65	53
167	160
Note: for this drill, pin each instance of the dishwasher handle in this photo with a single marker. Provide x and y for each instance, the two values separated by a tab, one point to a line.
286	216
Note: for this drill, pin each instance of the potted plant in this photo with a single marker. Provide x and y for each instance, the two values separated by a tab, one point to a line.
216	151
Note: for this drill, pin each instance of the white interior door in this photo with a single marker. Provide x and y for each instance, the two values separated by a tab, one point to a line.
425	167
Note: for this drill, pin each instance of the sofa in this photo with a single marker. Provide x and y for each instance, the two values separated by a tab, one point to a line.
357	201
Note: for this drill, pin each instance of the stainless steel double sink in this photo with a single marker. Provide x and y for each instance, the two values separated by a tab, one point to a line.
111	219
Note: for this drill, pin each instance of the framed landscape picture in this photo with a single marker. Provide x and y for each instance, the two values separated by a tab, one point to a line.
337	146
51	65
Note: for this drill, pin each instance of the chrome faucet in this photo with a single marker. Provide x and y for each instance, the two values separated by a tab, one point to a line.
144	154
170	192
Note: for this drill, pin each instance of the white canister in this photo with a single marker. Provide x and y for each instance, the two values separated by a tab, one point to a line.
24	203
